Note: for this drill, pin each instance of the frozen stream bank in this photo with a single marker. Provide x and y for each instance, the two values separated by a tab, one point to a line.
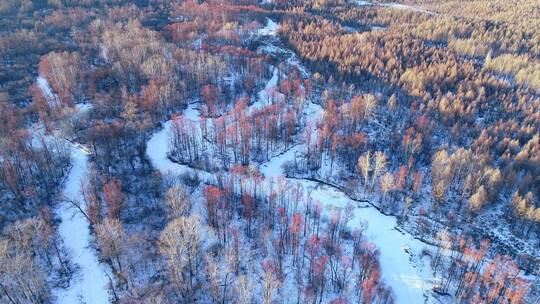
408	280
401	270
89	284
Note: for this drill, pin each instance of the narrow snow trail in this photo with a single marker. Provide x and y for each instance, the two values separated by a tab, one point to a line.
264	96
89	283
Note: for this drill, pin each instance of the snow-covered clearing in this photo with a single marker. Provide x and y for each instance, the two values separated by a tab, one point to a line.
408	7
362	3
89	284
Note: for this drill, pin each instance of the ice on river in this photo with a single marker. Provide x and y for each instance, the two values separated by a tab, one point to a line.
89	285
406	280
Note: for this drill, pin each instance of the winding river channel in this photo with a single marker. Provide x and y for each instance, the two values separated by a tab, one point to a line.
409	277
401	269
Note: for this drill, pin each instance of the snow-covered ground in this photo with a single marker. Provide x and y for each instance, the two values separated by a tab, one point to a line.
401	270
362	3
270	29
396	6
408	280
264	97
270	46
89	283
408	7
48	94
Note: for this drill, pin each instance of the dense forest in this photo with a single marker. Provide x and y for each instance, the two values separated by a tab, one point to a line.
237	151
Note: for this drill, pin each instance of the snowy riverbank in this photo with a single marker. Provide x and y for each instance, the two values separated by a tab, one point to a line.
401	269
89	282
407	277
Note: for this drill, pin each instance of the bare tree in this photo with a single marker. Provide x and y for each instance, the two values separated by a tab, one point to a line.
364	164
378	167
177	200
244	290
111	239
180	243
270	284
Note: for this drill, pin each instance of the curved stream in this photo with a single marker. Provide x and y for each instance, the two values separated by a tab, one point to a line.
409	280
89	282
408	277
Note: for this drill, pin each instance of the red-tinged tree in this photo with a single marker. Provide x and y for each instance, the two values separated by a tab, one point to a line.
401	178
417	182
296	227
62	71
353	147
213	196
368	288
149	99
339	301
46	111
517	292
92	201
313	248
319	274
369	260
114	197
308	85
209	95
12	178
286	88
249	204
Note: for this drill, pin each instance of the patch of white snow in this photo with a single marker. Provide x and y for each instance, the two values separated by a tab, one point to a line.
89	285
270	29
